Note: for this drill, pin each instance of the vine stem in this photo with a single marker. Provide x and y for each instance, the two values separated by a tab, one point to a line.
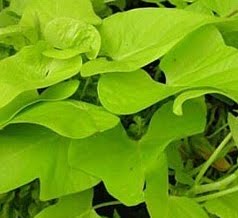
98	206
217	131
216	195
215	186
212	158
87	82
106	204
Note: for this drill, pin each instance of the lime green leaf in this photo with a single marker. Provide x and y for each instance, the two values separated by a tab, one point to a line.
29	70
156	192
179	101
56	92
69	206
6	19
176	163
101	8
111	156
18	6
199	7
73	119
159	203
89	214
60	91
223	207
203	68
181	207
178	3
233	123
129	50
41	12
13	35
127	93
68	33
32	152
11	109
61	54
223	8
166	127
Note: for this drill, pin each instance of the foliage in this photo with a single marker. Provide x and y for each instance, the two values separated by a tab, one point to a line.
137	96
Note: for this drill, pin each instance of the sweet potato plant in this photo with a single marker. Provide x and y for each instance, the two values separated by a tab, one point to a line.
118	108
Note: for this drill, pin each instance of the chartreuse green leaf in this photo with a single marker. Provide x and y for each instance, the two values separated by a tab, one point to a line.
233	123
181	207
40	12
18	6
56	92
70	206
60	91
33	152
90	213
71	118
223	8
7	19
29	70
13	35
124	50
199	7
73	35
159	203
106	150
111	156
166	127
156	192
223	207
203	68
176	163
127	93
183	97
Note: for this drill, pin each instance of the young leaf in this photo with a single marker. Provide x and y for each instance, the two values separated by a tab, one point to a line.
80	119
70	206
40	12
29	70
68	33
33	152
124	50
115	159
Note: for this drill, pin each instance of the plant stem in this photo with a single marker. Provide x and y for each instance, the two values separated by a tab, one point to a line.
212	158
87	82
106	204
216	185
216	195
217	131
